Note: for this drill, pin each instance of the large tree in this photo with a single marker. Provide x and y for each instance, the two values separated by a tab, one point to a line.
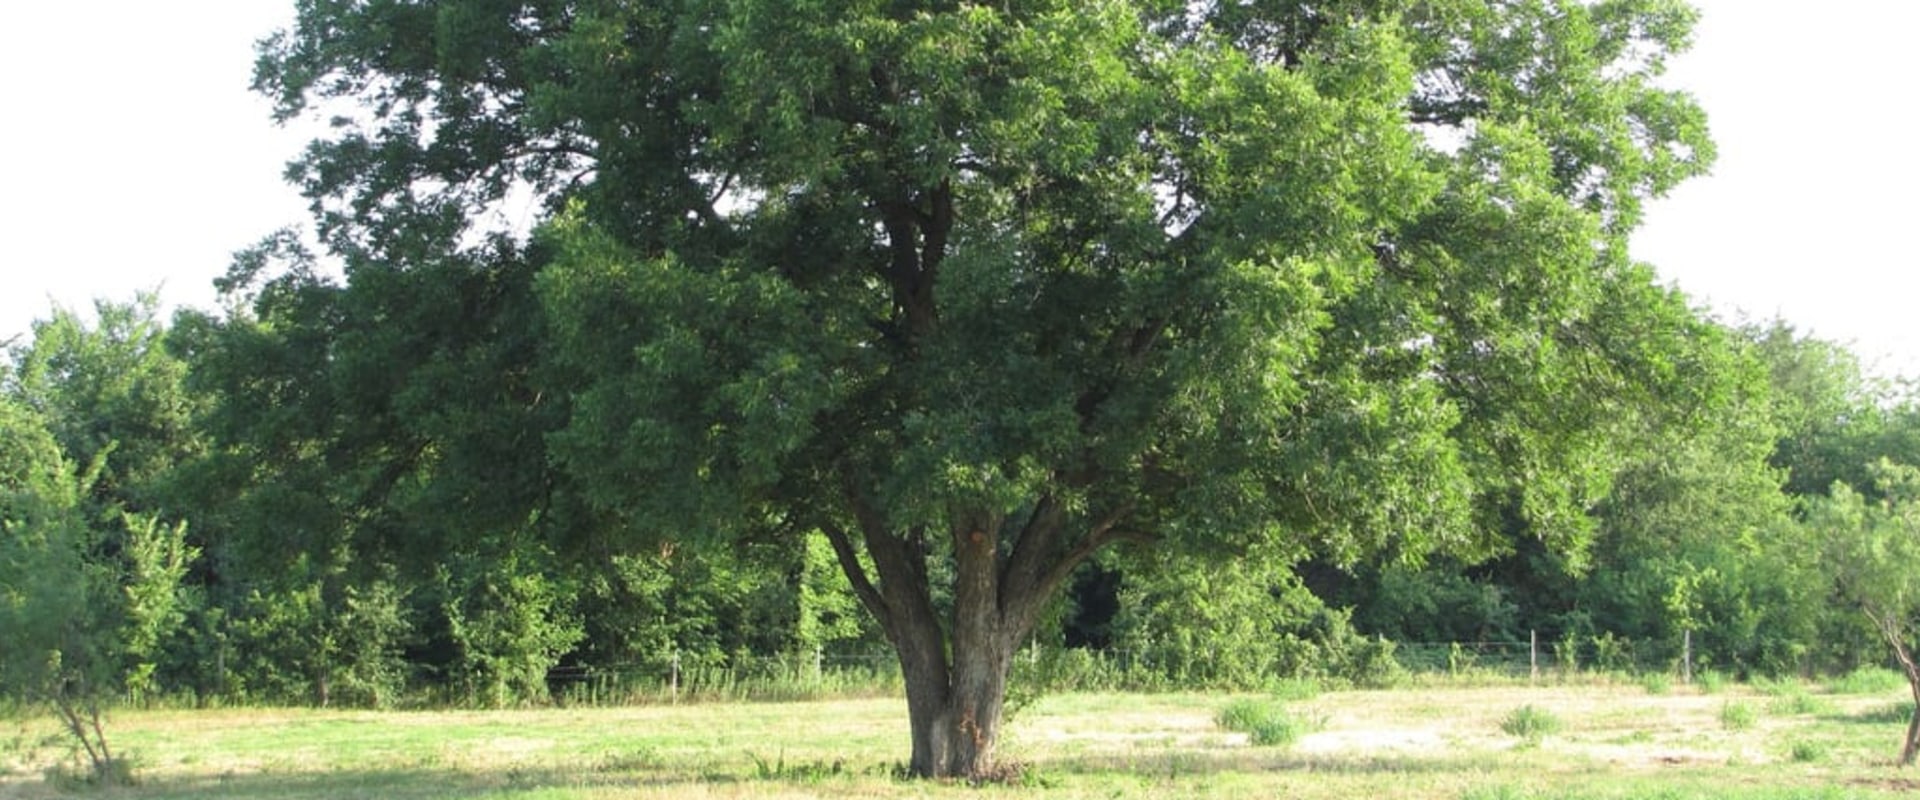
978	290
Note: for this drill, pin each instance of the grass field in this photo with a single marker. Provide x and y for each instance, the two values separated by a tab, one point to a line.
1620	740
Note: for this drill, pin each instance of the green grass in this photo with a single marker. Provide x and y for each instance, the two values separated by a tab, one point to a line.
1868	680
1894	713
1431	743
1801	703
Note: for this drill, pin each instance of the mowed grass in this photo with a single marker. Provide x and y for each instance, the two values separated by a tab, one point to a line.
1613	741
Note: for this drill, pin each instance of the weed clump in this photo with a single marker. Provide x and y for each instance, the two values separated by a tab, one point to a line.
1266	723
1807	752
1800	702
1737	716
1530	723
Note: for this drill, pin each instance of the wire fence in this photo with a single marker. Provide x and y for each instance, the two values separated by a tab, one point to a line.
1536	655
674	679
821	674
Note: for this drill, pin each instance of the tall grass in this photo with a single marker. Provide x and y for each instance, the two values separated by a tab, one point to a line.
1737	716
724	684
1531	723
1867	680
1267	723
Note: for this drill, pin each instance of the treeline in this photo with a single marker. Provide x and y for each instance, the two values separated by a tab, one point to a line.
366	498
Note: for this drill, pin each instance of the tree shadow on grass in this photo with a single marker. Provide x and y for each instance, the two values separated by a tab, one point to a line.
588	778
1897	713
1241	760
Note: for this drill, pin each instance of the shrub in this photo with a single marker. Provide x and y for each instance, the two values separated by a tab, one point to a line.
1711	681
1657	683
1530	723
1372	665
1612	653
1566	653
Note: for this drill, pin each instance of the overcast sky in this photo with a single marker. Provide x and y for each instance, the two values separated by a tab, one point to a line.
133	157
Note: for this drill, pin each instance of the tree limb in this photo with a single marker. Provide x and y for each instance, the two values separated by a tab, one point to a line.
856	573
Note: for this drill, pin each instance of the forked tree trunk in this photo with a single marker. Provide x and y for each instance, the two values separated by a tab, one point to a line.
1894	631
1911	748
956	675
956	668
956	722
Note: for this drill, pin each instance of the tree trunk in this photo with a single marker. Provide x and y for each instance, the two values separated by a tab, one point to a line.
956	668
955	723
957	688
1893	629
1911	748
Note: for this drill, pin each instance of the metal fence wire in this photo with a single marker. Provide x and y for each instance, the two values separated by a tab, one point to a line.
672	678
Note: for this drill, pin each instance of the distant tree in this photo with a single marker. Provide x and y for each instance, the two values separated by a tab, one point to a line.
979	291
1870	548
1697	536
109	385
1826	411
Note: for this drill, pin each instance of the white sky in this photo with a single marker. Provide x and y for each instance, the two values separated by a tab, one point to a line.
133	157
1812	105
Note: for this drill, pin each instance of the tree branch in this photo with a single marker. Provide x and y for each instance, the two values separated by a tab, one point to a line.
1103	533
856	573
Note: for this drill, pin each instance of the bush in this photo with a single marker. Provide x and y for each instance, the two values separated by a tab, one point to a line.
1711	681
1372	665
1267	723
1530	723
1612	653
1736	716
1657	683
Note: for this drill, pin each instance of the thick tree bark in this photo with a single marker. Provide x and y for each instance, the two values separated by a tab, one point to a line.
956	669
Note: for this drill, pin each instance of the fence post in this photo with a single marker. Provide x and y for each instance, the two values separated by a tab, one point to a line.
1686	660
1533	656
